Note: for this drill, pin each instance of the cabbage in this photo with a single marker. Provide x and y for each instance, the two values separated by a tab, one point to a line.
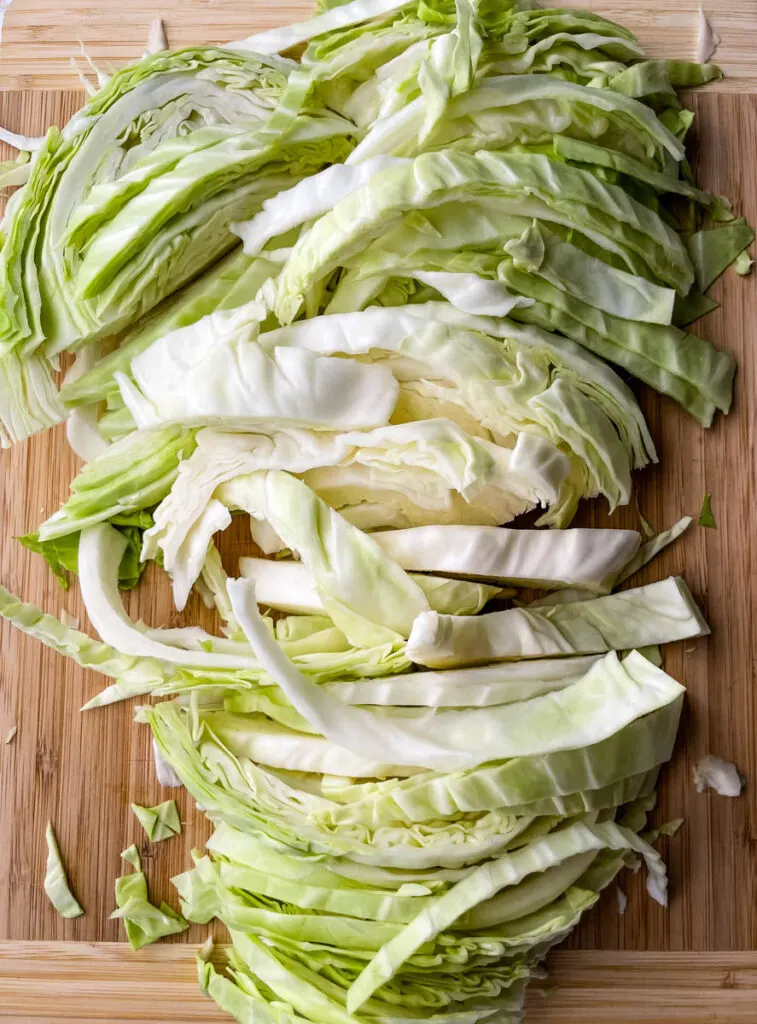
556	192
658	613
488	880
712	772
337	17
226	285
131	475
56	884
619	316
406	473
591	559
480	686
28	398
604	700
144	923
220	387
473	371
289	587
139	108
160	822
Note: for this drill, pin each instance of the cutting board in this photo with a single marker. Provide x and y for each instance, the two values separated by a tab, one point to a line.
690	963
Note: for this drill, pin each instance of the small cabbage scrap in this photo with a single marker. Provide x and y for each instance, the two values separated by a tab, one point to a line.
706	516
622	900
56	883
712	772
159	822
144	923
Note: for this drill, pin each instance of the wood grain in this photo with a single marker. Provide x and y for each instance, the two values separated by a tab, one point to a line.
41	36
82	771
47	982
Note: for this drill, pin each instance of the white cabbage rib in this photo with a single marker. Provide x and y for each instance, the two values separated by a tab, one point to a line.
100	551
591	559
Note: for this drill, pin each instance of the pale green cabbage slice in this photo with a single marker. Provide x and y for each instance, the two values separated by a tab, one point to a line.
228	284
562	719
29	400
586	558
308	199
100	551
367	595
658	613
564	194
289	587
546	782
131	474
352	728
487	880
250	798
56	883
140	107
477	373
238	386
480	686
405	473
341	16
654	546
134	673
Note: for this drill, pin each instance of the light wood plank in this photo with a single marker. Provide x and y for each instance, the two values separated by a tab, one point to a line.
41	36
107	983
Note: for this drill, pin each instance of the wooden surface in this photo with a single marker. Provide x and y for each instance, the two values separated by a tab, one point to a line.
82	771
158	985
41	36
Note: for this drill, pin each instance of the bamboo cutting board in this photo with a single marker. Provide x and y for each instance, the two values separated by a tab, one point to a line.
689	964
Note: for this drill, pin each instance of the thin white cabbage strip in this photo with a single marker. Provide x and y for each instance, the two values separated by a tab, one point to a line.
289	587
591	559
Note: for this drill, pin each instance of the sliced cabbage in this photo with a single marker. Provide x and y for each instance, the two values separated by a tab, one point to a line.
228	284
138	109
453	212
56	884
289	587
478	374
555	192
100	552
28	398
482	686
485	882
405	473
337	17
131	475
238	386
658	613
590	559
602	702
308	199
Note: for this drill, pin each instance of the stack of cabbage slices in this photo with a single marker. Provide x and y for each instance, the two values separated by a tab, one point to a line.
381	300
